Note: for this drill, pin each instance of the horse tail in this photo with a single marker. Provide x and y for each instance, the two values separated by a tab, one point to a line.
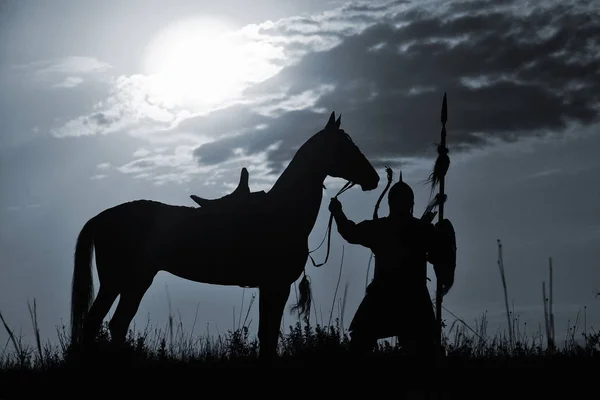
82	289
305	298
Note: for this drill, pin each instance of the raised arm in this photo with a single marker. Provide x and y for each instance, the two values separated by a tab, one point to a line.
352	232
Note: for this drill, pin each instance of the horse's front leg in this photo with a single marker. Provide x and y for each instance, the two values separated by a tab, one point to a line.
272	301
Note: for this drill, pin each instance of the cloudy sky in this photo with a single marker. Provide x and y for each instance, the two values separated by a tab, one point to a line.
107	102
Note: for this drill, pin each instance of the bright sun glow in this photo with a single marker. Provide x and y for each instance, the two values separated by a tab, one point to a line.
199	63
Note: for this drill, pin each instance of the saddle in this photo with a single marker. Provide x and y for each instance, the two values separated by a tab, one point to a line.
238	200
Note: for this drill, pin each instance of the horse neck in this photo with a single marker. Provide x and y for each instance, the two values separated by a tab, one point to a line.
298	192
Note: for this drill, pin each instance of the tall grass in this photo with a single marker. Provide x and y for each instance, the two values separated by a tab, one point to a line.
153	347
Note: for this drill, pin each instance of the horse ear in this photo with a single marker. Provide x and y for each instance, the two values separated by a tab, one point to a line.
331	123
338	121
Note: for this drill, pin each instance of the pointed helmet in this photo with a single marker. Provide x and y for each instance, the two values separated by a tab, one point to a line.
401	195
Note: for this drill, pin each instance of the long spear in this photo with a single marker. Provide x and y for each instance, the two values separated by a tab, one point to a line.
438	176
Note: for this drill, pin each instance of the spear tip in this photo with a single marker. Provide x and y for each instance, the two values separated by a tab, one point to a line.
444	109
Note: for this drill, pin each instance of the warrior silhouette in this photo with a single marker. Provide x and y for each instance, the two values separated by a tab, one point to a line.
397	301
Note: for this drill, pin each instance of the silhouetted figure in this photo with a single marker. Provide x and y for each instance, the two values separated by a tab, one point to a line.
397	301
243	239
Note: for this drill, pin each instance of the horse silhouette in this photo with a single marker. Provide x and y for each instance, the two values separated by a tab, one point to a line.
244	239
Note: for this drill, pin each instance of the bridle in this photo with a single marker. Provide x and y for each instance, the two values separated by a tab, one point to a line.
346	186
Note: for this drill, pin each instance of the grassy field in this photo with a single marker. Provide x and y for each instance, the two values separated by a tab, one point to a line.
300	346
303	345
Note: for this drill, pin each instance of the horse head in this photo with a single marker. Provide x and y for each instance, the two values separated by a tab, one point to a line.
345	160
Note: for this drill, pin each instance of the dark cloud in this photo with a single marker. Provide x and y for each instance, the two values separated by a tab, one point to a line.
294	129
477	5
101	119
215	152
506	74
369	7
232	120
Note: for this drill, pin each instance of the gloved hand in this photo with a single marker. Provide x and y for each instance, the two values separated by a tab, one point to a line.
335	206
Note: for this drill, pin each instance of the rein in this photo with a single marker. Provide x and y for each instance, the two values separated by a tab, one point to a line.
347	186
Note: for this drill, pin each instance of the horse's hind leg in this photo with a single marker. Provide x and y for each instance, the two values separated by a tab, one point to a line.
129	303
93	320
